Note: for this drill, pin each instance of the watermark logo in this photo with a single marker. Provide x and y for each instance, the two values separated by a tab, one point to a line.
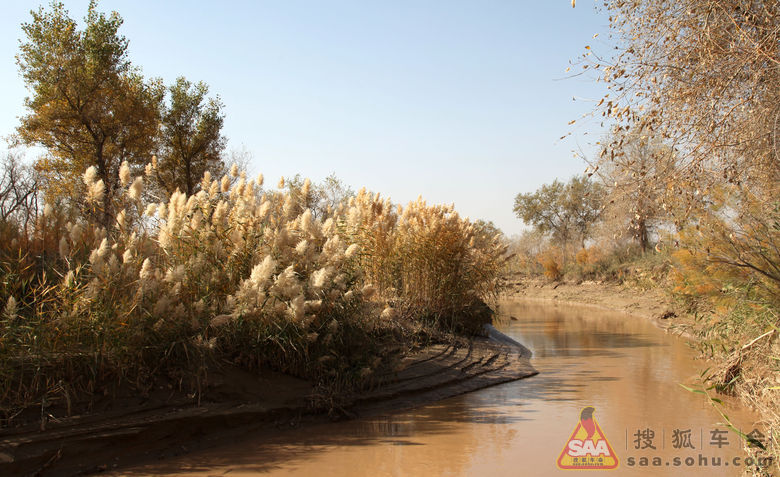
587	447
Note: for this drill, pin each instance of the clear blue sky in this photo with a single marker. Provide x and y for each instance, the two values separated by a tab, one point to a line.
460	101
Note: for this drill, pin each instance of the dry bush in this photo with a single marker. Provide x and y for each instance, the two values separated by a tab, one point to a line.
550	260
727	274
523	250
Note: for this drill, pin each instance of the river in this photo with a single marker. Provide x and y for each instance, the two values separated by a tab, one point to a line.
628	370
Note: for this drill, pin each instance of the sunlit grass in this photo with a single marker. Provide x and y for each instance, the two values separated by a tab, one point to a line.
236	272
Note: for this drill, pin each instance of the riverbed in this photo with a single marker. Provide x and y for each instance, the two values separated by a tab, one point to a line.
623	366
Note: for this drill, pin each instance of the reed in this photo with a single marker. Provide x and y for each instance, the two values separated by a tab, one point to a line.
235	272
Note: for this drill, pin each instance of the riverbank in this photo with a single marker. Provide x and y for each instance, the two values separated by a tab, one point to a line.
653	304
738	367
237	402
626	368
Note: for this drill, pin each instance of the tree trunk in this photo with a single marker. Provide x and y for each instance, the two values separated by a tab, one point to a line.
188	176
642	235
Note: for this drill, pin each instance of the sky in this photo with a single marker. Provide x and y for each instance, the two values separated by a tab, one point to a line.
461	102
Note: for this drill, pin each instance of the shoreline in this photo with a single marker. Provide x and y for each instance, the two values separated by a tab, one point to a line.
652	304
431	374
114	439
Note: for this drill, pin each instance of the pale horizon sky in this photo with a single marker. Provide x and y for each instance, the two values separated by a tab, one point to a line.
460	102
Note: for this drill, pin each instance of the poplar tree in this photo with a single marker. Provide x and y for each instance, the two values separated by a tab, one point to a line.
191	140
88	105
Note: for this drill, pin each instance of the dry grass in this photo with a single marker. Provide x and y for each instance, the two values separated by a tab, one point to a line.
426	262
233	272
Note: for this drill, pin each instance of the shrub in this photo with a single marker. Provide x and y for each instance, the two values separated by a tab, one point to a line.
549	259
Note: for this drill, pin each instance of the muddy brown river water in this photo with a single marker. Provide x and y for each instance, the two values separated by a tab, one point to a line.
623	366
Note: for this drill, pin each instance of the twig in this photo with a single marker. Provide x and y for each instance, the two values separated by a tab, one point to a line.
756	340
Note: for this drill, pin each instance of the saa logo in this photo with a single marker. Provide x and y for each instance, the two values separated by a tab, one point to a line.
587	447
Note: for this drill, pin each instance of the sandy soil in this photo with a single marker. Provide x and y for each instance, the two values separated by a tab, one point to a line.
237	403
653	304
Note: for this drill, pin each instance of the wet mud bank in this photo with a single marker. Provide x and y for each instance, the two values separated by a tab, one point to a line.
652	304
245	403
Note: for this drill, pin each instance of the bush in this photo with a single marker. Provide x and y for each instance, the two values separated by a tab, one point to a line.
549	259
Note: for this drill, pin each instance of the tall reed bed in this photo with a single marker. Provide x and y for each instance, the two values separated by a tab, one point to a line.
235	272
427	262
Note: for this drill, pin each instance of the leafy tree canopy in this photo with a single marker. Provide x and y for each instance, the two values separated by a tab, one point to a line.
88	106
191	140
564	211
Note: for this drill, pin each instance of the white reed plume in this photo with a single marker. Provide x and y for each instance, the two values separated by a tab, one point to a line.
297	308
388	313
146	272
70	279
286	283
120	219
151	209
95	192
75	233
263	271
124	174
368	291
307	223
90	176
64	247
97	255
265	207
220	320
352	250
136	188
175	275
205	182
162	210
302	247
288	207
320	277
214	189
11	309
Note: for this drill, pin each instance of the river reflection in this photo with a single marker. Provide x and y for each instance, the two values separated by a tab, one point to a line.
623	366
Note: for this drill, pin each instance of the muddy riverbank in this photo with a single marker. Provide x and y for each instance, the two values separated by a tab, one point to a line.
623	366
237	402
653	304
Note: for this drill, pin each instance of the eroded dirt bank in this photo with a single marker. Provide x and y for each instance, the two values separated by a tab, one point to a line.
238	403
652	304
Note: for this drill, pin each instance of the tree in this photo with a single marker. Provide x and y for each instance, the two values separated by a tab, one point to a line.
18	194
703	75
564	211
89	106
333	192
191	143
320	198
636	180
